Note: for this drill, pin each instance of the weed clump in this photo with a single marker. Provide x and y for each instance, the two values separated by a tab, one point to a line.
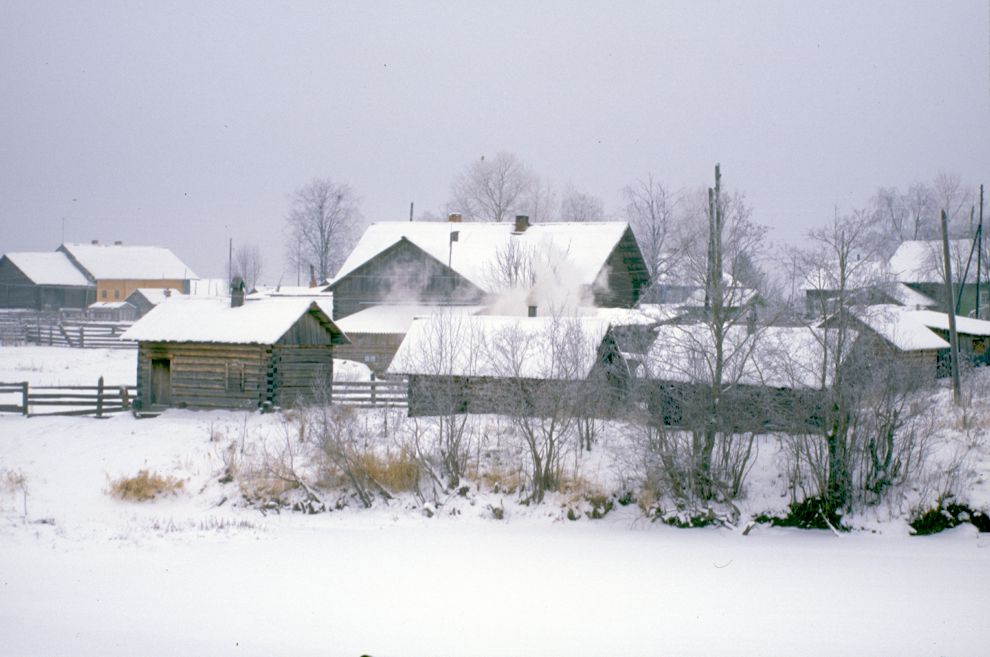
144	486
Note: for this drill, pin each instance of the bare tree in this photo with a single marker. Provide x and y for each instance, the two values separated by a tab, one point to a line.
716	245
544	374
323	220
579	206
540	203
866	441
649	210
492	189
247	264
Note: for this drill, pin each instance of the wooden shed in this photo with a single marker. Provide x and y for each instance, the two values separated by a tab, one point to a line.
519	365
212	353
43	281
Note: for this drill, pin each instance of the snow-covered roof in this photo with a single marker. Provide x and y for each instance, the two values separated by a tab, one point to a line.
901	327
320	291
920	261
645	314
940	321
859	274
501	347
586	245
48	268
396	318
908	296
155	295
773	356
205	319
118	261
108	305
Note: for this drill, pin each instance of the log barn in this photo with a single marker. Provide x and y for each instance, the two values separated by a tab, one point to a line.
519	365
455	263
218	353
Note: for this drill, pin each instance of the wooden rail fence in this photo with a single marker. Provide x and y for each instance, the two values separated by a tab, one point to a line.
387	392
100	400
79	333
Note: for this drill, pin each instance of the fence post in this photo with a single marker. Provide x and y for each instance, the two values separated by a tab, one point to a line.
24	398
125	400
99	398
373	386
82	338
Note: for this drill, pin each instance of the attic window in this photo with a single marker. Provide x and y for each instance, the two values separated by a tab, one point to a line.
235	377
103	294
116	294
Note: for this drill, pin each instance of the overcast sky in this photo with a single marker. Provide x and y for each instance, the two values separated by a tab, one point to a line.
184	125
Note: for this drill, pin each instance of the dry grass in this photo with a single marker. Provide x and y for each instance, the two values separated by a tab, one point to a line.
144	486
397	473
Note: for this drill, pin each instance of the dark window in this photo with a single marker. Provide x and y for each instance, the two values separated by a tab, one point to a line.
116	294
103	294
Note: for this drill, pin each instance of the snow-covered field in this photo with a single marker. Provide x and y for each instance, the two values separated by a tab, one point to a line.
82	573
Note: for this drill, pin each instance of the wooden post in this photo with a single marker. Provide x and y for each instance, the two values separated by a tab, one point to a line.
953	335
24	398
82	337
373	386
125	399
99	398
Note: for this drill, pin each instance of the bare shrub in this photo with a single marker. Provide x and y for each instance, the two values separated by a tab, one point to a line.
146	485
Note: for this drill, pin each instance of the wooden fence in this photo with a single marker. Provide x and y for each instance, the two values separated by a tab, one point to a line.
99	400
371	393
78	333
102	400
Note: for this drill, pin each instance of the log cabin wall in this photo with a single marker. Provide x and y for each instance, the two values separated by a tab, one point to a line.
300	372
403	272
206	375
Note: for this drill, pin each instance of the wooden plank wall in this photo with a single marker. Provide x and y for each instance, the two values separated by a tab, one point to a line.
199	373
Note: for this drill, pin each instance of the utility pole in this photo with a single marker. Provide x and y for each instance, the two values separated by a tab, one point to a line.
953	335
410	210
230	262
979	254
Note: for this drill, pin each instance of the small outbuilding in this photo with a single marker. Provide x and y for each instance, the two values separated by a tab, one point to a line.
219	353
519	365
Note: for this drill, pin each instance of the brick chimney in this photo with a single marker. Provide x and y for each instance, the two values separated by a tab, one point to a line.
236	292
455	217
522	223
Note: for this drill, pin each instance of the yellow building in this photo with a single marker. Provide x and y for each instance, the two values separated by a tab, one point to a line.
117	270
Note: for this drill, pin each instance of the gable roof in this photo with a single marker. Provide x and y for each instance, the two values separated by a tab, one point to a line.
587	245
206	319
48	268
940	321
501	347
772	356
153	295
117	262
920	261
902	327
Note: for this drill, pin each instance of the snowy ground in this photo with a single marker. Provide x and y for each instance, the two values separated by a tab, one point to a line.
84	574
